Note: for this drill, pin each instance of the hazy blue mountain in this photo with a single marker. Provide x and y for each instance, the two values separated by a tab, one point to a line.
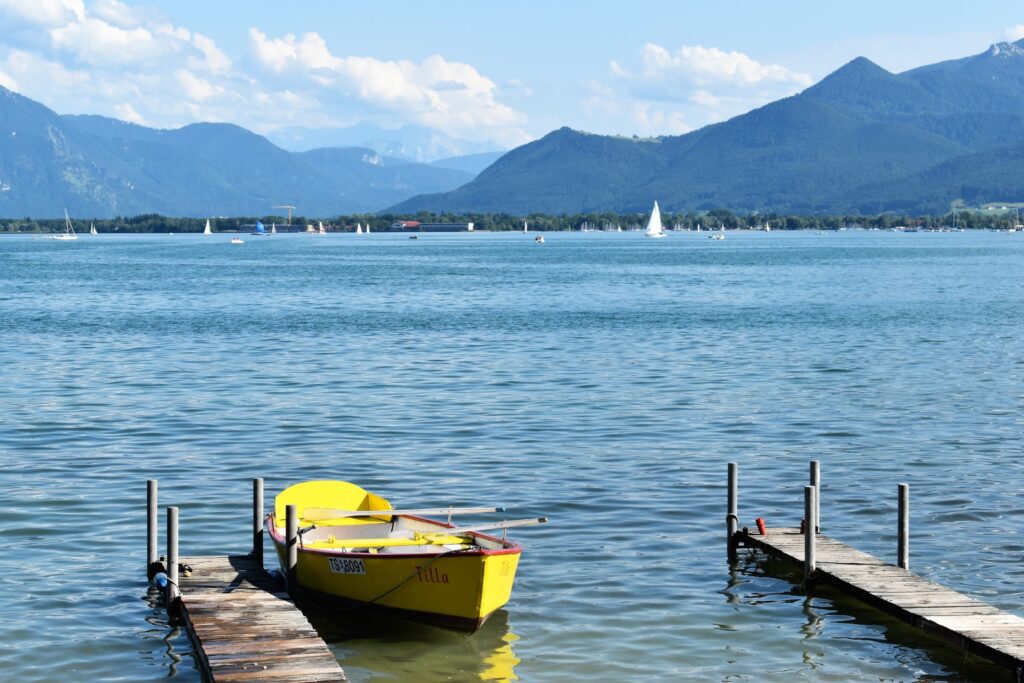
370	180
415	143
861	138
470	163
101	167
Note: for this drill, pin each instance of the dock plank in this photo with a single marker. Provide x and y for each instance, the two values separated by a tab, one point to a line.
246	629
970	624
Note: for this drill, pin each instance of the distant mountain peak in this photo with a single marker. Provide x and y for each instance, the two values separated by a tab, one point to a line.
851	77
860	65
1006	50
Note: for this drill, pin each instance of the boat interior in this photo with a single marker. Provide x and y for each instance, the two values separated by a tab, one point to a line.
347	537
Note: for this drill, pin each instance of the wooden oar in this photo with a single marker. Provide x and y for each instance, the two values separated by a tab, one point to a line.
495	525
322	514
452	536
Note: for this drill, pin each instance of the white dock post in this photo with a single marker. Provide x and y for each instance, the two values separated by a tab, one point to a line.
816	483
257	520
172	554
732	519
151	525
810	561
292	548
903	543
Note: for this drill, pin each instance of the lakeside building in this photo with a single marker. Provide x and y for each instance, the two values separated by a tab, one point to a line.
416	226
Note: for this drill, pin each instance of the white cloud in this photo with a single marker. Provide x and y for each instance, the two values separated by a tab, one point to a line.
450	96
126	112
95	42
197	88
1015	32
671	91
36	72
42	12
116	13
115	58
8	82
708	68
214	60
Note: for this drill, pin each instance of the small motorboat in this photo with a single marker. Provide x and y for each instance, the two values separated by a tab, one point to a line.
237	240
539	239
414	237
354	549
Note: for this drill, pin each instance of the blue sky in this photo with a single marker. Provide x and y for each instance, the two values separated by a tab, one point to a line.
499	72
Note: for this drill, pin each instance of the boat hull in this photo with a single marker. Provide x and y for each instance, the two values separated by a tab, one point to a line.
457	589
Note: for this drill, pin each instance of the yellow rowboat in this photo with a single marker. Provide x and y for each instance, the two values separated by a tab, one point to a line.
355	549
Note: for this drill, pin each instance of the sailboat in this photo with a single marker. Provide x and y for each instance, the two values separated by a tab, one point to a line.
92	229
359	229
207	230
367	228
526	228
69	230
720	235
322	231
273	228
654	228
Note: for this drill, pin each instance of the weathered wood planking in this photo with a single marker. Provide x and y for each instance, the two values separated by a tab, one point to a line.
246	629
971	625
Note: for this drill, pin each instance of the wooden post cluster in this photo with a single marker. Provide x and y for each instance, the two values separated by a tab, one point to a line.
257	520
732	519
816	483
903	522
810	523
151	525
172	553
292	548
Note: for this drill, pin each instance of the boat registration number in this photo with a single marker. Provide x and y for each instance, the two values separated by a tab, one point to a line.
341	565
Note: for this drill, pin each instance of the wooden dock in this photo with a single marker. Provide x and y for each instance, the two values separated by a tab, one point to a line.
246	628
243	623
971	625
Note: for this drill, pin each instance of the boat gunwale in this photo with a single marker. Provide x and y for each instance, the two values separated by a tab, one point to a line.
514	548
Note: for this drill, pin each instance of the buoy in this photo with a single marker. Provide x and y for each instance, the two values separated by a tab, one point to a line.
761	527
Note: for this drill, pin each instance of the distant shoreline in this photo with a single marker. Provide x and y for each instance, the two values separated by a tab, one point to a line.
983	218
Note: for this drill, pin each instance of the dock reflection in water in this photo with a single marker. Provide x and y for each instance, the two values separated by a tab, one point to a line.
373	646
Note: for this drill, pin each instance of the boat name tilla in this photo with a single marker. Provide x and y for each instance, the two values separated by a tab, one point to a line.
431	575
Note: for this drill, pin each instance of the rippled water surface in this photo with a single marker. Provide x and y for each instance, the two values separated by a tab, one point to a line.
601	379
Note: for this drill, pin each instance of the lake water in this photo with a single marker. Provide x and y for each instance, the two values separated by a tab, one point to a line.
603	380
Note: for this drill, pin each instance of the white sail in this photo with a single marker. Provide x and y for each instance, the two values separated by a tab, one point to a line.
359	229
367	228
654	228
526	228
69	230
273	228
207	230
322	231
92	229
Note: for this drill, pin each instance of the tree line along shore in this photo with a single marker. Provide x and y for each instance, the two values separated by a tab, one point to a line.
154	223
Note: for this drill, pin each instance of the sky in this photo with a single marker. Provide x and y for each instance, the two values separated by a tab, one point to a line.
504	73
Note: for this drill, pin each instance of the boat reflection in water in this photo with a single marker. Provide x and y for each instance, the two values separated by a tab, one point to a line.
399	650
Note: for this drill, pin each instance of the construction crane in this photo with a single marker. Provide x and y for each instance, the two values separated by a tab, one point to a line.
290	209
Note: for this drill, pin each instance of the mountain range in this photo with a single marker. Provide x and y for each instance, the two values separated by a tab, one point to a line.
409	142
101	167
861	140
